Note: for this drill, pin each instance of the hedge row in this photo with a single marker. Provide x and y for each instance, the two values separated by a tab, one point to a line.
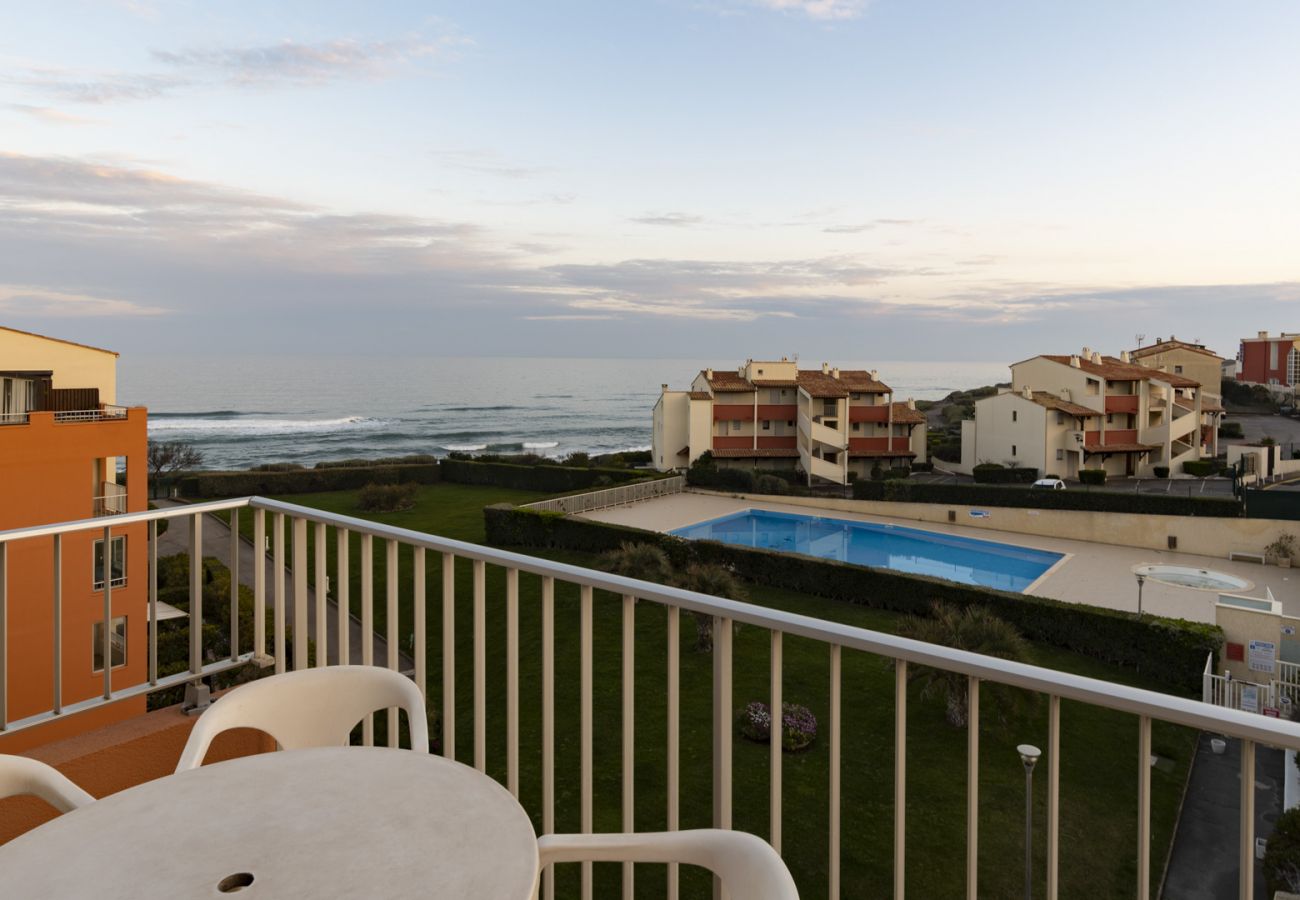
303	481
1170	650
1006	495
547	479
992	473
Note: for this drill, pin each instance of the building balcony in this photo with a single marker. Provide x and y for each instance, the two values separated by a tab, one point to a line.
780	412
1122	403
869	413
733	413
817	429
544	666
733	442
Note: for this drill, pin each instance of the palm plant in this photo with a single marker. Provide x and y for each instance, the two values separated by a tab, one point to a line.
717	581
975	629
644	561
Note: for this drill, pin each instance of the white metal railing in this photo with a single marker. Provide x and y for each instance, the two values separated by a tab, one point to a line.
112	502
14	418
615	496
631	598
107	411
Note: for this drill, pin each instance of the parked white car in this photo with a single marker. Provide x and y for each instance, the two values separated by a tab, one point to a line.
1050	484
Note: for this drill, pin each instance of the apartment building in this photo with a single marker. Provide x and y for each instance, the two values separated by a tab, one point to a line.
1088	411
1272	361
66	450
827	422
1187	358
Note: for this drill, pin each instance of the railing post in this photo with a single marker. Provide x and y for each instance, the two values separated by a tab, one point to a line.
4	636
449	656
420	625
391	620
58	624
153	601
1246	852
900	778
1144	808
480	665
196	591
775	749
548	721
722	727
342	596
368	623
106	638
277	588
674	734
259	584
972	787
629	733
512	681
234	584
1053	796
585	728
300	629
833	875
322	596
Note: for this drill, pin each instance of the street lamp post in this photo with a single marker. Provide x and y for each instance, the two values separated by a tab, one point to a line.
1141	580
1029	755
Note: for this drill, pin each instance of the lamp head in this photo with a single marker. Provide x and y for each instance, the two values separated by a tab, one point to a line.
1029	755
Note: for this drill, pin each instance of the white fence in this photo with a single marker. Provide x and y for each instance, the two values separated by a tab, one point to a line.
617	496
1281	693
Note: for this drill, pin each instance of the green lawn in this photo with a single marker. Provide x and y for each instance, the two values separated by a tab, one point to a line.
1099	759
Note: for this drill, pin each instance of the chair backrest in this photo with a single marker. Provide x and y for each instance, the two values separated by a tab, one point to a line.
20	775
309	708
747	865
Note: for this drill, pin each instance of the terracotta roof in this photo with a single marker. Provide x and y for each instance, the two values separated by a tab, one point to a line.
726	382
1172	344
1210	406
878	454
819	384
903	414
775	382
1095	449
700	395
685	451
1051	401
46	337
861	380
766	452
1113	369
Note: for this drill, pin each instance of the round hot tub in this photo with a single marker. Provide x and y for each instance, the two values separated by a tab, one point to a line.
1198	579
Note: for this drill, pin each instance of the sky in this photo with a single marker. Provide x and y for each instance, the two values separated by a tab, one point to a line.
893	179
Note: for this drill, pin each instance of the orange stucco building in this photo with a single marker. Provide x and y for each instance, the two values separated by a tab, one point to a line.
68	453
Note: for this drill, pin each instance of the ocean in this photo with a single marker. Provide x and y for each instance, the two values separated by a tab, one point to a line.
242	411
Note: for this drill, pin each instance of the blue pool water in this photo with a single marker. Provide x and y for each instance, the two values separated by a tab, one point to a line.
965	560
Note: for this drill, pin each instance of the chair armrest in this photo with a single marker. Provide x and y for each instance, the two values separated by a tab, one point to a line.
747	865
20	775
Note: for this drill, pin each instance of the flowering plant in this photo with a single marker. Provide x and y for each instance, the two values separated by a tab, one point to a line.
798	724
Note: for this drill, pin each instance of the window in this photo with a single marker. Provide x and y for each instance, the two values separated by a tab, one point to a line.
1178	370
1060	418
118	563
116	644
767	424
855	396
1013	449
760	371
857	426
1110	418
789	423
1014	415
735	424
1060	455
774	395
1093	386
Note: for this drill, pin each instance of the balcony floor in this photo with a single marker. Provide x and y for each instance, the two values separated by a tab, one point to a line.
1092	573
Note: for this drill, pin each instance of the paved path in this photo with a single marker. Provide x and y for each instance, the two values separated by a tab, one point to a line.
216	543
1203	862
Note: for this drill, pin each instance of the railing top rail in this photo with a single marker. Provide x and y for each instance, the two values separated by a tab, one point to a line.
97	524
1139	701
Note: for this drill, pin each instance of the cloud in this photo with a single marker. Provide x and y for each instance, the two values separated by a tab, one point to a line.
289	62
867	226
49	114
669	220
29	301
822	10
485	162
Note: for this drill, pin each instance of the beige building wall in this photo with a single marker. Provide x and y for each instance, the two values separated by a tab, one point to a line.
1188	363
671	429
1010	430
700	430
1064	381
74	365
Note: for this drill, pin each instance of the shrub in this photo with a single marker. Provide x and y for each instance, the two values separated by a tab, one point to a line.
771	484
740	480
549	479
304	481
386	497
1282	548
1172	650
798	725
877	473
277	467
896	472
1201	468
922	467
1016	496
1231	430
717	581
644	561
1092	476
992	473
1282	856
1161	471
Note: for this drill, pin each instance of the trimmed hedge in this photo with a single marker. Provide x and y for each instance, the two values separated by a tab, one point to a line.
1008	495
204	485
1092	476
992	473
1171	650
1201	468
547	479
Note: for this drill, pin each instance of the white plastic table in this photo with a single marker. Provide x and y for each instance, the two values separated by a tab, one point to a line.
338	822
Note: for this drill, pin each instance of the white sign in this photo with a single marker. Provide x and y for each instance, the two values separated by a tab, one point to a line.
1250	698
1261	656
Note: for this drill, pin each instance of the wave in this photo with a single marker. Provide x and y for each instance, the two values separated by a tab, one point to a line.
540	445
213	414
248	426
465	448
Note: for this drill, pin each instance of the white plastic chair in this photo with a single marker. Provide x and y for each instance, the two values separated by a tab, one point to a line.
748	866
20	775
309	708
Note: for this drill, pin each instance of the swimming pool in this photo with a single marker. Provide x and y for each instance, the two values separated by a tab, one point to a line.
965	560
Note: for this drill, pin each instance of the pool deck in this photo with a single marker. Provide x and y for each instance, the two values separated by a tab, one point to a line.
1097	574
